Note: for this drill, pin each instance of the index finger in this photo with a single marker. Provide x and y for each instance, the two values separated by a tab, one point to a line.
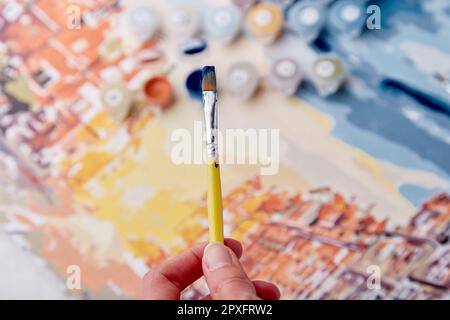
168	280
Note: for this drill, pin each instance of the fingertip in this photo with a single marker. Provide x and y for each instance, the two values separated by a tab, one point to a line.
266	290
234	245
224	274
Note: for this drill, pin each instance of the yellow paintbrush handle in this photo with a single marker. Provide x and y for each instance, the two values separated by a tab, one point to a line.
215	217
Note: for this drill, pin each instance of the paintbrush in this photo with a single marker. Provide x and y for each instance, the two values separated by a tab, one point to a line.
214	196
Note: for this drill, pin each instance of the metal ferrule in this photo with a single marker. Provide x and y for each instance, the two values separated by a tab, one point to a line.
210	112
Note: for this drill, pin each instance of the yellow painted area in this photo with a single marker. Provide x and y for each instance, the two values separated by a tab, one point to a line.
242	231
141	123
317	116
155	223
83	137
146	250
191	230
252	204
91	163
375	169
156	220
102	121
20	90
96	157
3	57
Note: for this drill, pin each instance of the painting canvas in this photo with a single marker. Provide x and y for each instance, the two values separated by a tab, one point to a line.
363	178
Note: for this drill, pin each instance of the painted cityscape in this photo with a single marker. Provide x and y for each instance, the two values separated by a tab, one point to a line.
318	245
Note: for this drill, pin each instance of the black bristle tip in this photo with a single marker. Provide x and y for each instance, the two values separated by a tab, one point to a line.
208	78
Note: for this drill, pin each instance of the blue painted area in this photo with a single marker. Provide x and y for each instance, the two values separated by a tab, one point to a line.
366	126
404	12
424	99
417	195
372	116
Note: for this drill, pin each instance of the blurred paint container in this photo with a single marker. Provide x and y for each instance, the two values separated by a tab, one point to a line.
264	22
243	79
183	22
285	76
244	5
327	74
306	19
158	92
116	99
194	84
346	17
223	23
141	23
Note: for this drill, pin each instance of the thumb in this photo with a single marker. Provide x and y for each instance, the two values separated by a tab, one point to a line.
224	274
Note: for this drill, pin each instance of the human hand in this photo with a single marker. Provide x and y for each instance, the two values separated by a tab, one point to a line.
223	273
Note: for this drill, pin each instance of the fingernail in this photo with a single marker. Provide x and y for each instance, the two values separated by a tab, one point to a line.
216	256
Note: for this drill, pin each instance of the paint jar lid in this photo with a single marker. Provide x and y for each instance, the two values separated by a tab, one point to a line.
328	74
242	79
142	22
158	91
306	14
350	13
347	17
285	75
328	67
194	84
183	21
306	18
265	19
223	23
116	99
